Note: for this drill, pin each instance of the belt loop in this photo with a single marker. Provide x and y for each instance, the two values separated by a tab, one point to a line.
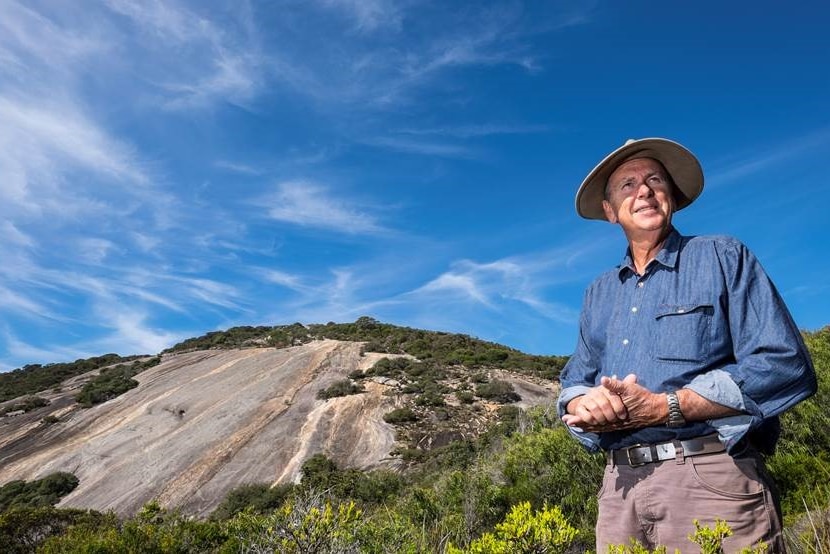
679	455
611	460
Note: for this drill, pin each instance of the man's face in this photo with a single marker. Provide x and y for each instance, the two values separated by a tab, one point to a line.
639	196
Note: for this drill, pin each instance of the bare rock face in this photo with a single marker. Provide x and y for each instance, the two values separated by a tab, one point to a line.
201	424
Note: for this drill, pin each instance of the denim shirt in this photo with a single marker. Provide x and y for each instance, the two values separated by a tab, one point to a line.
703	316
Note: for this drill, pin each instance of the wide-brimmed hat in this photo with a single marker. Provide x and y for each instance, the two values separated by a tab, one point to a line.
681	164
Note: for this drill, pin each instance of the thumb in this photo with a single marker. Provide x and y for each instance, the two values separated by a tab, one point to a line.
616	386
620	387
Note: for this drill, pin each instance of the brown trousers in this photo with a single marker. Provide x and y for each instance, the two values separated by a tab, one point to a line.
657	503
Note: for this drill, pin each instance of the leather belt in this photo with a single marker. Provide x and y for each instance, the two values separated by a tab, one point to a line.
641	454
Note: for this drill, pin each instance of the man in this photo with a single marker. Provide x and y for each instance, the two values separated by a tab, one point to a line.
686	356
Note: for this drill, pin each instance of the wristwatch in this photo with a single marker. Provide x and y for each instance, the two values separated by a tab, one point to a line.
676	418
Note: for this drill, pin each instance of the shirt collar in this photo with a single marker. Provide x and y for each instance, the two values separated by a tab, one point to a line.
667	256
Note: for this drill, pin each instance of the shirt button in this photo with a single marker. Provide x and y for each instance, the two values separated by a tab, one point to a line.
625	341
634	309
640	284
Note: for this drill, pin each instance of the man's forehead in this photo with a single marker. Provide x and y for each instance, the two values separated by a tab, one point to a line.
637	164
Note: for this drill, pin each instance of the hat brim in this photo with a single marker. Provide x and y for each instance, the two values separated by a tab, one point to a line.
680	163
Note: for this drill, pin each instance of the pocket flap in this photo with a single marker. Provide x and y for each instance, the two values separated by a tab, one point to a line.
665	310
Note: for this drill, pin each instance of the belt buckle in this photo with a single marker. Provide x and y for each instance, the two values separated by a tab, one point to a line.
631	462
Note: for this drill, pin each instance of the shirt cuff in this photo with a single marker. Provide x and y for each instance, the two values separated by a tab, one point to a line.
719	387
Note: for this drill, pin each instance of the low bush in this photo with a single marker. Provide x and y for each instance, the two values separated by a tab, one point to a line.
498	391
259	498
340	388
112	382
28	404
465	396
37	494
400	415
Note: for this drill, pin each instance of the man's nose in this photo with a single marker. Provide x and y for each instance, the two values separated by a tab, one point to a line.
644	191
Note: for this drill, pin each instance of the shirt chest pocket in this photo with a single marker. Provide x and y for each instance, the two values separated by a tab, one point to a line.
683	332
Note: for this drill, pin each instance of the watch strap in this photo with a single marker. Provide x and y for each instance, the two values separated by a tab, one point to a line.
676	418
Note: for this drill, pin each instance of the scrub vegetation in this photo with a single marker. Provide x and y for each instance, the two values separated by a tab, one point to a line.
522	485
113	381
34	378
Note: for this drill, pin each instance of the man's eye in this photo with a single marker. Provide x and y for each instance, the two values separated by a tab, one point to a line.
626	186
655	179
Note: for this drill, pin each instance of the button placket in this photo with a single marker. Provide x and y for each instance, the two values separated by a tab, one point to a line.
634	309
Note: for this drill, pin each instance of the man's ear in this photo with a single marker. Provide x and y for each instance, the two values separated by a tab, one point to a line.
609	211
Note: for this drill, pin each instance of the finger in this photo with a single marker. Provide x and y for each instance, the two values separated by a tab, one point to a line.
630	379
607	407
572	420
612	407
590	412
616	404
583	412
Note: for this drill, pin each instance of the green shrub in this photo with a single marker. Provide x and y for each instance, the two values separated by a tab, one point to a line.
49	420
33	378
110	383
465	396
260	498
525	531
305	525
340	388
25	529
498	391
321	474
28	404
400	415
801	463
549	466
430	398
153	531
39	493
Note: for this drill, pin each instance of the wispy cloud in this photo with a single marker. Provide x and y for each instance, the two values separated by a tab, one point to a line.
471	131
210	63
38	142
368	15
238	168
287	280
15	236
390	64
421	147
765	158
307	204
131	332
22	350
32	41
15	302
520	279
466	285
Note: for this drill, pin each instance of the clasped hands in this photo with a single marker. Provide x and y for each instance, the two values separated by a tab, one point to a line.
616	405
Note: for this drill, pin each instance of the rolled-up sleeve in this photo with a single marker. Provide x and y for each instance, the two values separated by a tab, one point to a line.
773	368
717	386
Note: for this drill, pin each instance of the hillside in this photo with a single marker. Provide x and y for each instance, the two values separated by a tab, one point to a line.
202	422
502	471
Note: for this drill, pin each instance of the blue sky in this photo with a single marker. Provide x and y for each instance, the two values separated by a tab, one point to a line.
169	168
